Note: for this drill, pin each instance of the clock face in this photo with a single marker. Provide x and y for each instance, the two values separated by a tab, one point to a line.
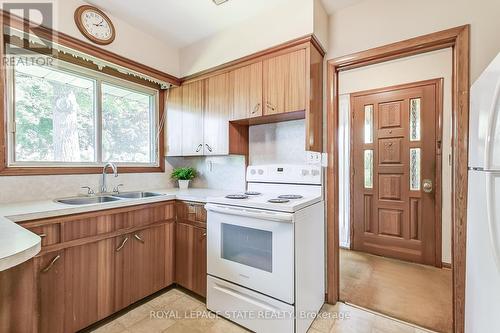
95	25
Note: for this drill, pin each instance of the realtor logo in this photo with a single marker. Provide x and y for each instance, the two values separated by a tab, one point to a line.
26	20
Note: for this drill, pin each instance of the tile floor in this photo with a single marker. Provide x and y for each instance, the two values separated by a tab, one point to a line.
174	301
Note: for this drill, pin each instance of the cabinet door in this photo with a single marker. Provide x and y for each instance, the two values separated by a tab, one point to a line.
151	251
89	281
191	258
173	123
192	118
216	118
51	292
247	92
285	83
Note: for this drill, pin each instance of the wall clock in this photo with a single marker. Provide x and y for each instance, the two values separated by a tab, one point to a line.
94	24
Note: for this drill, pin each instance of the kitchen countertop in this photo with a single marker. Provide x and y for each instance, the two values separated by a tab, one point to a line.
18	245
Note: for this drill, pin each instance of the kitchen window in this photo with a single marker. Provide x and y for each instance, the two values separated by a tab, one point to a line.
66	115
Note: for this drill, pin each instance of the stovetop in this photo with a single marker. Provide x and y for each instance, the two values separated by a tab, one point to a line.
269	201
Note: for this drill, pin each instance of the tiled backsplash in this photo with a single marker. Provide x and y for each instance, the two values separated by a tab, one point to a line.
278	143
269	143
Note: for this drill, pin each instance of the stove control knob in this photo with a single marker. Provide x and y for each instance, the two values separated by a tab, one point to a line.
315	172
253	172
305	172
261	172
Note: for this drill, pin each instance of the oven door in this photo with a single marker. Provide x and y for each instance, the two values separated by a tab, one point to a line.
252	248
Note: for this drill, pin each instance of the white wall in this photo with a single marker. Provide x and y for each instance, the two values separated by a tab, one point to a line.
378	22
284	23
130	42
437	64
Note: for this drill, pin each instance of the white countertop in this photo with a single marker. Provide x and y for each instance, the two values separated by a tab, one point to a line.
18	245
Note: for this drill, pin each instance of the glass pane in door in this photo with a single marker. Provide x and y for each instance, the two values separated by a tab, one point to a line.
247	246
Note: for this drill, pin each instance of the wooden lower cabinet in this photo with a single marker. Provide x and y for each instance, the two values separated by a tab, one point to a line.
191	258
89	280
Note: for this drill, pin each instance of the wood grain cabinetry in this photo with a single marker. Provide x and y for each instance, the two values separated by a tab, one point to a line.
191	247
281	84
191	258
50	272
101	263
217	114
173	123
192	118
284	80
246	91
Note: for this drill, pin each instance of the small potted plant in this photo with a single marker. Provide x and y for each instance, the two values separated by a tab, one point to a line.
183	176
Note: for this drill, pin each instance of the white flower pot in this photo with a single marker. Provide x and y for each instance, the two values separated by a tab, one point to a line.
183	184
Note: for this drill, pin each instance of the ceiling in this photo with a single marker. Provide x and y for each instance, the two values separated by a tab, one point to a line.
183	22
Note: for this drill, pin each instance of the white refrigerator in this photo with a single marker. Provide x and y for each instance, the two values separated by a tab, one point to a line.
482	303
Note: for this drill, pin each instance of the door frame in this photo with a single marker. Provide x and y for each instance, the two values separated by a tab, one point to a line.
438	83
459	40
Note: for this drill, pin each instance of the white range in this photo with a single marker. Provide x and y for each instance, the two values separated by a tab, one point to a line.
266	250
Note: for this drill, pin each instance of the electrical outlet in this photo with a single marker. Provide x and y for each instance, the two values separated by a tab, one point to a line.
313	158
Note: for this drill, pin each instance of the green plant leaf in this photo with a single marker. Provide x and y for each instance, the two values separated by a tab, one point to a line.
186	173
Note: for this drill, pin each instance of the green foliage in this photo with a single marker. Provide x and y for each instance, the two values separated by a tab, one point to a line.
126	124
186	173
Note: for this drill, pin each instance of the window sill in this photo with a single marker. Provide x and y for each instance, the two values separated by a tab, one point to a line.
40	171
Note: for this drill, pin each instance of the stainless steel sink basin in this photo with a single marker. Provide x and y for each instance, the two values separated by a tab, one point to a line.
87	200
136	195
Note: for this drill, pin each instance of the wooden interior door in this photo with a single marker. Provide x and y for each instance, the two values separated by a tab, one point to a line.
394	158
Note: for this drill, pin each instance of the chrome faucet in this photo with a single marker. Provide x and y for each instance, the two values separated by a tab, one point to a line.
104	188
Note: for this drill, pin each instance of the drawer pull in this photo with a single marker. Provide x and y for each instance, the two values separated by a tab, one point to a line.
122	245
203	236
136	236
42	235
49	266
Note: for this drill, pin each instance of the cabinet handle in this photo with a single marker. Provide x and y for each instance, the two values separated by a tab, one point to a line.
199	147
122	245
270	106
49	266
42	235
136	236
208	147
203	235
256	108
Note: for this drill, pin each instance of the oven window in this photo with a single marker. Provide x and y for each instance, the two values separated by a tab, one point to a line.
247	246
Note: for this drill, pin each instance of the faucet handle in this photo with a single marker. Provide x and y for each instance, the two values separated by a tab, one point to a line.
116	189
90	191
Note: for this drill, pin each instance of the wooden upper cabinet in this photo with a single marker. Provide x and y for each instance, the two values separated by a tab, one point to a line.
247	91
173	135
217	113
192	119
285	81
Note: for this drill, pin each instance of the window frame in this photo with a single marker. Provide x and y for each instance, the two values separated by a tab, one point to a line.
10	166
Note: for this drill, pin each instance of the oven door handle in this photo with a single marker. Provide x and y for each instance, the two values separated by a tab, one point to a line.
263	215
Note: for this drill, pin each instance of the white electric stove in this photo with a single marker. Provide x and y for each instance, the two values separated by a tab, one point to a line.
266	250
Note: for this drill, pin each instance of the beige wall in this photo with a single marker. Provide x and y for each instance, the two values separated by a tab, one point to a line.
374	23
131	42
426	66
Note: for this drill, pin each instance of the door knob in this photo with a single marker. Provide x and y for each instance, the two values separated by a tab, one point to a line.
427	185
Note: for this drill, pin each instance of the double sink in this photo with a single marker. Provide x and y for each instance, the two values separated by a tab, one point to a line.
107	198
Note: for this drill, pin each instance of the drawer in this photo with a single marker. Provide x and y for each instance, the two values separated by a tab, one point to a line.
261	313
50	234
191	213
